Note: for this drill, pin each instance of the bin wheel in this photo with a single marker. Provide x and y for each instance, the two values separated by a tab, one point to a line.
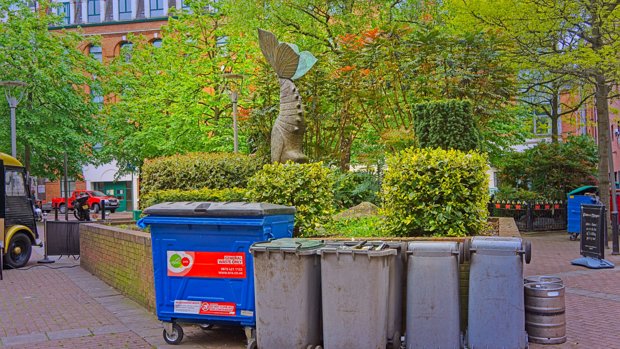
176	336
527	244
573	237
252	344
206	326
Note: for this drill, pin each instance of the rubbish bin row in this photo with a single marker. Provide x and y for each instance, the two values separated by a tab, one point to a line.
349	294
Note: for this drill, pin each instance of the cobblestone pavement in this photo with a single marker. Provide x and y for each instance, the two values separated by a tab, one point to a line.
67	307
592	296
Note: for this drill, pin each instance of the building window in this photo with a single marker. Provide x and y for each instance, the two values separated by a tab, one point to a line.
157	8
96	53
156	43
124	10
64	12
71	183
126	48
94	11
542	125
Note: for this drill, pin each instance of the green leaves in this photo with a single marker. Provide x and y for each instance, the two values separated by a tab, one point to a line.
308	187
57	115
435	192
447	124
204	194
198	170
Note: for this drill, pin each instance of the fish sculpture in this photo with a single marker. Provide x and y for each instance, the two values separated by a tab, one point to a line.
288	130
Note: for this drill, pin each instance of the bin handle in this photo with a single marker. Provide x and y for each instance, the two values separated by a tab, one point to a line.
140	223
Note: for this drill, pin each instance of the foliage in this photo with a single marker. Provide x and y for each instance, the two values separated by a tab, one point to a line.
204	194
435	192
508	193
578	39
362	227
352	188
173	99
374	62
308	187
197	171
552	169
56	114
446	124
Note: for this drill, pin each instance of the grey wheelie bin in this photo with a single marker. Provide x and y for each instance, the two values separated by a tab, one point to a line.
433	309
355	282
287	283
496	312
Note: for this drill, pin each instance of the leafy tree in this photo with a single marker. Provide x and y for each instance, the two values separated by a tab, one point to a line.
552	169
375	61
578	38
56	115
173	99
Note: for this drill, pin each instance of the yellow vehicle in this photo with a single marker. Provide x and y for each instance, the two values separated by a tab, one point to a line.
18	228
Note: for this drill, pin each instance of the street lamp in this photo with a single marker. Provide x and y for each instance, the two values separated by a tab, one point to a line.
10	87
233	84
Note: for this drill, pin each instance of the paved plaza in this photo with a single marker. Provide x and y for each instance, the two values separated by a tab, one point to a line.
67	307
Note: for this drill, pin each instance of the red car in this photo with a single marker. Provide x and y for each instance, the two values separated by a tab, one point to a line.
95	199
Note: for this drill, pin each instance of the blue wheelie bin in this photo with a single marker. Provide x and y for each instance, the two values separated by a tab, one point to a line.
582	195
203	269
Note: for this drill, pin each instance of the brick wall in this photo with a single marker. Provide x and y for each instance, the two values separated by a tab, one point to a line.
121	258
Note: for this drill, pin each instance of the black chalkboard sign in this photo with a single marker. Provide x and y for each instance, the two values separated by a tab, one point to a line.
593	225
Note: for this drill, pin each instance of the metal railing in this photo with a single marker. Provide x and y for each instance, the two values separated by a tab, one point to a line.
532	216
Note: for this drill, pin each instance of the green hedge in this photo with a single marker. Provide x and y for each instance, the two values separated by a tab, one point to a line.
205	194
197	171
435	192
308	187
447	124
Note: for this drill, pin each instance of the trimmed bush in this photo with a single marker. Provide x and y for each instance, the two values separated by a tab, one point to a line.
435	192
205	194
197	171
447	124
308	187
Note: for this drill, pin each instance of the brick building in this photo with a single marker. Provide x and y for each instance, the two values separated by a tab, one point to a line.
112	21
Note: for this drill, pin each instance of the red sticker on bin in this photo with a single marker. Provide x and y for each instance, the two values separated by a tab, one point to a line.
224	265
222	309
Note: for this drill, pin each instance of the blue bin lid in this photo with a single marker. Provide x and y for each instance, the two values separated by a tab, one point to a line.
218	209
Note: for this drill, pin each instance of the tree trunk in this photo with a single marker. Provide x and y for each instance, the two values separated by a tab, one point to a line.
602	116
555	115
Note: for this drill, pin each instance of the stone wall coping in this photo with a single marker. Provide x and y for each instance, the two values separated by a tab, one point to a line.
119	233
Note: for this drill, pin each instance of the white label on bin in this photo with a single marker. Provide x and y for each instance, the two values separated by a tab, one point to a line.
187	307
246	313
553	294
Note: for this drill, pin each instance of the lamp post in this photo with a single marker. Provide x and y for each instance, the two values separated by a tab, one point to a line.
9	90
233	84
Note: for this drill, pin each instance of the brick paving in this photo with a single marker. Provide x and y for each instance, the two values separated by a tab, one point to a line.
67	307
592	296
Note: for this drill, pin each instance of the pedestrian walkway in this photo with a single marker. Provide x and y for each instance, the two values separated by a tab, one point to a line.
67	307
592	296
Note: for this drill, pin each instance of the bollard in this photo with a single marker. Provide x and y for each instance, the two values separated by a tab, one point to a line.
103	210
614	234
56	213
45	260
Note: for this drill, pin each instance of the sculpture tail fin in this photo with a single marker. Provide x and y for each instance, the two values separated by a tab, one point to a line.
281	56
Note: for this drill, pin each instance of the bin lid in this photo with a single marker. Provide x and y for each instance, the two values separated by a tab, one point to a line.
218	209
373	249
583	190
287	245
